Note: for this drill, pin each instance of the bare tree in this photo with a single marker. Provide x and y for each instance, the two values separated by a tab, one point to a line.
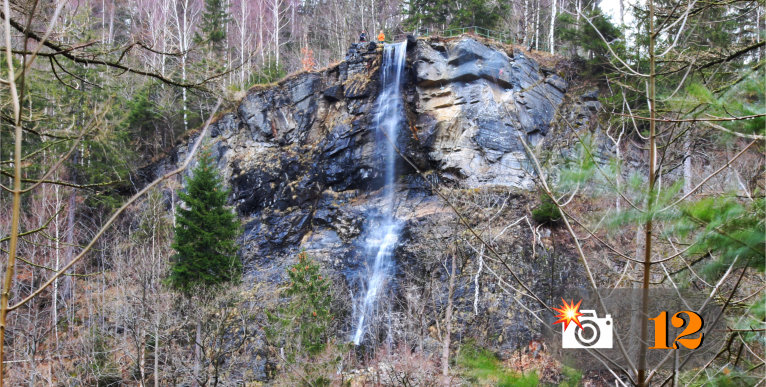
22	184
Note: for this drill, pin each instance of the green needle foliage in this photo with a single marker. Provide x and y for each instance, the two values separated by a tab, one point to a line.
742	98
480	13
205	234
214	21
546	212
304	321
583	41
728	230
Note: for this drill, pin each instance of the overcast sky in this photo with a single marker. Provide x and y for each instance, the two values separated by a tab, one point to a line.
612	8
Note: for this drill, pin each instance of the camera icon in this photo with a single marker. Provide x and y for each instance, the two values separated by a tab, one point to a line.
596	332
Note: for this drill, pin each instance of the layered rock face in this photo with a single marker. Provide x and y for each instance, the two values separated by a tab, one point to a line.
474	103
305	165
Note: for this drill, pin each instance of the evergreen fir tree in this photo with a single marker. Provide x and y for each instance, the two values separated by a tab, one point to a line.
205	234
301	325
214	21
455	13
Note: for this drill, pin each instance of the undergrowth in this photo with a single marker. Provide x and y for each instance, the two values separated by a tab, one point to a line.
483	367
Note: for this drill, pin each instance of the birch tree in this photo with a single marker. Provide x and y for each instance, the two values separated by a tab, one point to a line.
675	94
552	26
63	138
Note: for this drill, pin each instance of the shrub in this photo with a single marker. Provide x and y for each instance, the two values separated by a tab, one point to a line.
403	366
546	212
302	324
101	367
483	367
269	72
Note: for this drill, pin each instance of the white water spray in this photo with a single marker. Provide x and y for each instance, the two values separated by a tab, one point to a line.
382	240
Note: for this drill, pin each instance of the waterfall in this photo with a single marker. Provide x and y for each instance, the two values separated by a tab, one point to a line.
381	241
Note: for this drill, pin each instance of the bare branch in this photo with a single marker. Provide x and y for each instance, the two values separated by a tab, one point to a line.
119	211
705	180
716	119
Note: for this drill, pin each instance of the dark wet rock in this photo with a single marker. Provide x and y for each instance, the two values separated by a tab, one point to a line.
304	162
430	65
281	183
303	87
275	232
358	59
333	93
590	95
346	160
556	81
357	88
593	106
226	126
472	60
253	110
331	213
412	41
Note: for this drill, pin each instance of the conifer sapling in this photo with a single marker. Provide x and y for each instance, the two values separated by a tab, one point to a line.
205	234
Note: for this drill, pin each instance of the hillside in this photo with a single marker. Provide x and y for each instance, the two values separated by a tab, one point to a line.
306	170
436	210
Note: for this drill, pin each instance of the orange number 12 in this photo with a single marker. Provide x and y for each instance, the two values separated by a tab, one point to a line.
693	326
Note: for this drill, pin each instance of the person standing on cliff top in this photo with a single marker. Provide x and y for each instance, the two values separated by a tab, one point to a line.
363	36
381	37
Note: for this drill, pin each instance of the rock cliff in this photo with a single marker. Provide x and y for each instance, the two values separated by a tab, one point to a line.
304	163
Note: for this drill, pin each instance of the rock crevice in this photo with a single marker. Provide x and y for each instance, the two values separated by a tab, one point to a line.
305	164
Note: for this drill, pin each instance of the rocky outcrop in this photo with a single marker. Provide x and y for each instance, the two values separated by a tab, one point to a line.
305	164
476	103
284	149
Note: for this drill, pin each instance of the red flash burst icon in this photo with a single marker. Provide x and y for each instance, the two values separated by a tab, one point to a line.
568	313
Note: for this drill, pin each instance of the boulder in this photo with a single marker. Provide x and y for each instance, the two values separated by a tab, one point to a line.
333	93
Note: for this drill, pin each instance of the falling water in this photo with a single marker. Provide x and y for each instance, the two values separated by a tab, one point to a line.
382	240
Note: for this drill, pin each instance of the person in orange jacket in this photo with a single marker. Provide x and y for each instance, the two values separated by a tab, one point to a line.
381	37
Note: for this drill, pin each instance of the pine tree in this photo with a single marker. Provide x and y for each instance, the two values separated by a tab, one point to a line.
454	13
304	320
205	234
214	21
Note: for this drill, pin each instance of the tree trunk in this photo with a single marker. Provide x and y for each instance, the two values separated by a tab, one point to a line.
156	369
622	12
448	320
579	10
687	164
537	25
553	23
197	359
184	43
110	36
275	17
57	247
16	203
525	24
68	285
758	28
142	361
650	203
242	31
